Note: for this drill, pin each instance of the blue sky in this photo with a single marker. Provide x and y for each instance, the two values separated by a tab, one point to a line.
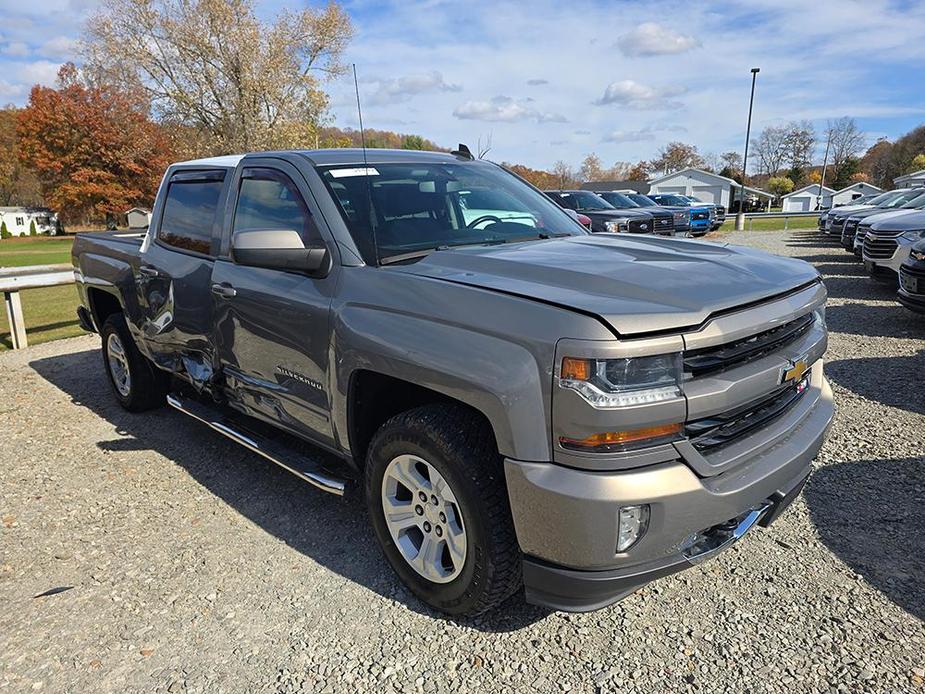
550	80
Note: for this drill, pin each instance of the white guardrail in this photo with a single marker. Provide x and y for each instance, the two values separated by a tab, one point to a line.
749	216
15	279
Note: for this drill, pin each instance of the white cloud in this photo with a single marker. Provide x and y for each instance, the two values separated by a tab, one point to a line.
59	47
537	82
17	49
645	134
634	95
504	109
43	72
650	39
401	89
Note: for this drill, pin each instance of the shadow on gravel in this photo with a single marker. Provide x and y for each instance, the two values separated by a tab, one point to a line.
801	239
859	287
875	321
331	531
869	513
892	381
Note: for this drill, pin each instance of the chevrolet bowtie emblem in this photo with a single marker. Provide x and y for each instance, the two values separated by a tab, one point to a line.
794	373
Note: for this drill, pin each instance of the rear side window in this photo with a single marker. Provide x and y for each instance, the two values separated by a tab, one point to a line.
269	200
189	212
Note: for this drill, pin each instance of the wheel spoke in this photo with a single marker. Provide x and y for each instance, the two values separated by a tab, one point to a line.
456	544
428	558
400	515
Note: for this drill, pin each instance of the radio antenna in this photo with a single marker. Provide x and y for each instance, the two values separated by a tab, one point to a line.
369	183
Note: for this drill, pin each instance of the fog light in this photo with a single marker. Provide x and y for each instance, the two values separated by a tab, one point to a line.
632	524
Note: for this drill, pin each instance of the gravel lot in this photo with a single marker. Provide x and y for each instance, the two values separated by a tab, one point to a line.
193	566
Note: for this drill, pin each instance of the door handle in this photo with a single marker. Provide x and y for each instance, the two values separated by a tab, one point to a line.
224	290
149	271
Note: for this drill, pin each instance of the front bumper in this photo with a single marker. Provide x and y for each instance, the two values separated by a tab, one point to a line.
566	518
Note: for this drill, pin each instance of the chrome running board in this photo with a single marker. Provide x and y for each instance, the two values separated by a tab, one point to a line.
285	458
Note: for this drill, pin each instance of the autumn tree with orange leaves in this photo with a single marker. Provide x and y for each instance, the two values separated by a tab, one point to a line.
93	148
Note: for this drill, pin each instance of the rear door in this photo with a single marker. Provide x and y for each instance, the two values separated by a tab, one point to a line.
175	271
272	326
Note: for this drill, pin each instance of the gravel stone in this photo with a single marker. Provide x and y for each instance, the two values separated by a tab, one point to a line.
197	567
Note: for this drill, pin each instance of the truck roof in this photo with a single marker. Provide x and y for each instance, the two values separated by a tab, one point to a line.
328	157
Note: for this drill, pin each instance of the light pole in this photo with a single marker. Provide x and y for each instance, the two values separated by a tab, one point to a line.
740	217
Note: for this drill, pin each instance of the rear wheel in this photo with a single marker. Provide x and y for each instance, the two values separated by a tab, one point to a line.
438	504
137	384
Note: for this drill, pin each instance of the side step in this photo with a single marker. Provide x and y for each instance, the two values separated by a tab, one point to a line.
285	458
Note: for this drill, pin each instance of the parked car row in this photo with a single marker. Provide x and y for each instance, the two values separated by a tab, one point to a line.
887	232
615	211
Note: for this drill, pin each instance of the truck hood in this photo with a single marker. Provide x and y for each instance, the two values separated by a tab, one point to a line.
635	284
617	213
849	210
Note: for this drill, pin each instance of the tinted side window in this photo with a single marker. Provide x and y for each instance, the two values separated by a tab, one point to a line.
269	200
189	212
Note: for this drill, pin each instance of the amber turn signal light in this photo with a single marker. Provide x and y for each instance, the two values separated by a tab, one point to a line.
616	440
575	369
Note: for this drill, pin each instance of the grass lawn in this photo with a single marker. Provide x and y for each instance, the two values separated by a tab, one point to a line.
772	224
49	312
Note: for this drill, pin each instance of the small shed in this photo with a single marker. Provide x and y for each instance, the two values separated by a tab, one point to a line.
807	199
910	180
703	185
19	220
847	195
138	218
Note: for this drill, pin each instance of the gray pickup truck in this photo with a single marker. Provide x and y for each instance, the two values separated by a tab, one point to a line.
524	405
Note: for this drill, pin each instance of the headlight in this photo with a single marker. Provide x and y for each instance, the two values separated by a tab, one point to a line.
820	315
615	226
914	235
625	382
917	255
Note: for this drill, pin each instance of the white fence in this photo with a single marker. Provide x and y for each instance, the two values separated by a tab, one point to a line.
15	279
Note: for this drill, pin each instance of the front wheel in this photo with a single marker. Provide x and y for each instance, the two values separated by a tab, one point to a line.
438	504
137	384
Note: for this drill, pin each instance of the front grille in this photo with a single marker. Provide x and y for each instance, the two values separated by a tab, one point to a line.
880	245
700	361
664	223
851	225
705	214
838	224
711	433
905	273
639	226
860	231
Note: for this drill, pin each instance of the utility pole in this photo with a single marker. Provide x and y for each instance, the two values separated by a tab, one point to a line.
825	162
740	216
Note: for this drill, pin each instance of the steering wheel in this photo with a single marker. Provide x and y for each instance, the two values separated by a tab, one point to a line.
484	218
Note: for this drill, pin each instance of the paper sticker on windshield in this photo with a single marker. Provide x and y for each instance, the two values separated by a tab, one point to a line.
347	173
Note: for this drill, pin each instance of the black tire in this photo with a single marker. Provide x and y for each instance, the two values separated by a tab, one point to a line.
147	385
461	447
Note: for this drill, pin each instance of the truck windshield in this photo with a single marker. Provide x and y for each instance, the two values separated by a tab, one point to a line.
406	210
641	200
675	200
618	199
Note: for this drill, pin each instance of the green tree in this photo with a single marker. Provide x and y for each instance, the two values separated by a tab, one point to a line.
413	142
918	163
4	232
32	230
780	185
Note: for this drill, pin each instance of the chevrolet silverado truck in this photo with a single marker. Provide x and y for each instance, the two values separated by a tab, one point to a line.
681	215
523	405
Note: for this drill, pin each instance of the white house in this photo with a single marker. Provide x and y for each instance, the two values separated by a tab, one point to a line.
846	196
910	180
703	185
19	220
138	218
805	199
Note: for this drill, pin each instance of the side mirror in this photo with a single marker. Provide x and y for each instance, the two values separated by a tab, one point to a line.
280	249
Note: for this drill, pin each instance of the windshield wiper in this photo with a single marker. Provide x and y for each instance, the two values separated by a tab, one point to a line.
410	255
422	252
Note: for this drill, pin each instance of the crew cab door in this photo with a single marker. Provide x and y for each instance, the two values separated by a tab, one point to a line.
272	325
175	270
